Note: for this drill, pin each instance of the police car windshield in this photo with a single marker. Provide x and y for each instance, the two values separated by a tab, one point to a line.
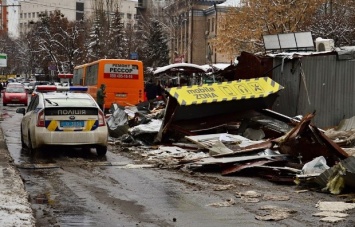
71	102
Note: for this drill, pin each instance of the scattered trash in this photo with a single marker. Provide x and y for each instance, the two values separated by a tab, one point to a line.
330	214
274	213
134	166
274	197
228	128
223	187
227	203
249	196
334	206
339	177
317	165
333	211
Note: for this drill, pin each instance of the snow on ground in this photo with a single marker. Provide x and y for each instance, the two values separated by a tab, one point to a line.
15	210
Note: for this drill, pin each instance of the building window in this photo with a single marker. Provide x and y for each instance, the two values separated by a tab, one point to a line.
33	15
79	16
129	16
212	29
80	6
122	15
20	15
208	24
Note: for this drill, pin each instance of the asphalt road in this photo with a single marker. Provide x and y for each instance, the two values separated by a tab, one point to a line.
76	188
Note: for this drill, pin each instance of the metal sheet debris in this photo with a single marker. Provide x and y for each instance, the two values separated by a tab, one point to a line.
338	177
224	160
222	144
306	142
206	107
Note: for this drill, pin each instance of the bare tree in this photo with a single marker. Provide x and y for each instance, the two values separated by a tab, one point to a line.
335	19
241	29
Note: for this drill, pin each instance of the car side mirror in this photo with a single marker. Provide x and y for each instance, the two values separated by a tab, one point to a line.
21	110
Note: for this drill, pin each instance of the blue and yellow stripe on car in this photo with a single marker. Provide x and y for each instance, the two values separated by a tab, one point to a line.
53	125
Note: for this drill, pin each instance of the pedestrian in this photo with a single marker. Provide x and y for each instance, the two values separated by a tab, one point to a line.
152	90
1	88
100	96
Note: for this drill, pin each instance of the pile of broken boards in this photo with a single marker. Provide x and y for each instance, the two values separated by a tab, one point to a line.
265	144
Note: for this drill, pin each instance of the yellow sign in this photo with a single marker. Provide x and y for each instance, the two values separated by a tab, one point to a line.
226	91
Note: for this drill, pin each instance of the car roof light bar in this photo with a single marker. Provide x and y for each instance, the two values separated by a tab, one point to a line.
47	88
78	88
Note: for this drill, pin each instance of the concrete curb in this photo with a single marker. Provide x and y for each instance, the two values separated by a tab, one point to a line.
15	209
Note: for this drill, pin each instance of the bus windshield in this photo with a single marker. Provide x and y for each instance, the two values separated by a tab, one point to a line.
123	79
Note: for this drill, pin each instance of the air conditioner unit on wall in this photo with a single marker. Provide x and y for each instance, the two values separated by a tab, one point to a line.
324	44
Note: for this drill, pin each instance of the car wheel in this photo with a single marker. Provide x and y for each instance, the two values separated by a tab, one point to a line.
22	142
32	150
4	104
101	151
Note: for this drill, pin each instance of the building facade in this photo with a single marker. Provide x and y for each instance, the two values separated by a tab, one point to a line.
28	12
192	25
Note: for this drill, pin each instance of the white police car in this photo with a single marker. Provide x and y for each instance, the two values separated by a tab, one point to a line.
63	118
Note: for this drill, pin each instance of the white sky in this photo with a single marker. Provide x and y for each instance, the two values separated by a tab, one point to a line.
230	3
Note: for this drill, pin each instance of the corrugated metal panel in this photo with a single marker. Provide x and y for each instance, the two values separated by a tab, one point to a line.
328	88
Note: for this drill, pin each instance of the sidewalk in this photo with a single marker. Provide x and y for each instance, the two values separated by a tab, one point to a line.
15	210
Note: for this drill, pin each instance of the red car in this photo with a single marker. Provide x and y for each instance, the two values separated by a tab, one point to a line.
14	95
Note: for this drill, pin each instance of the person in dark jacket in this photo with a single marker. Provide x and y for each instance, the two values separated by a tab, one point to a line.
1	88
151	90
100	96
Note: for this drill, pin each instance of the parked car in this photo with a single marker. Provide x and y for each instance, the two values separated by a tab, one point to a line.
14	95
26	85
63	118
15	84
33	84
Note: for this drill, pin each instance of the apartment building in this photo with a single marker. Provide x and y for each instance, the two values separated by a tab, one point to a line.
29	11
191	27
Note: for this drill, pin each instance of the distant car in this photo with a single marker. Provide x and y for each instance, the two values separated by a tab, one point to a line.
15	84
26	85
14	95
63	118
33	84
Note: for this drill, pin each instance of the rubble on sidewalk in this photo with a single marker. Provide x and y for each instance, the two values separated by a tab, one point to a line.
229	129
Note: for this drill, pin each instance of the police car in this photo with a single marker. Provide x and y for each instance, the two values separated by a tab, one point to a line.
55	118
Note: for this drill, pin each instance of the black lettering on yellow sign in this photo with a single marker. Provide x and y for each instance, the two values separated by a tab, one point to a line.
205	96
243	89
200	90
227	90
256	87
